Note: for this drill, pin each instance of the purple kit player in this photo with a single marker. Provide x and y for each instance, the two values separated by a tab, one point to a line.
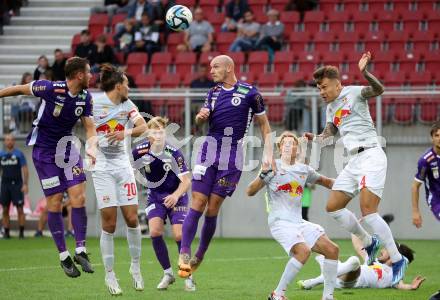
229	108
57	162
428	173
168	180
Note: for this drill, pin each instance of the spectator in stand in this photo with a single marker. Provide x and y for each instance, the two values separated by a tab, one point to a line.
157	14
235	10
58	65
112	7
202	81
147	36
101	54
24	110
124	39
301	6
199	36
47	75
14	183
43	65
136	10
247	34
26	78
271	34
85	48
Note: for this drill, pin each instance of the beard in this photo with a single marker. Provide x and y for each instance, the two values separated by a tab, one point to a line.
124	98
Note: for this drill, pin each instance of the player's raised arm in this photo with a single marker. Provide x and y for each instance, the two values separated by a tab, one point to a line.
261	180
16	90
414	285
329	130
375	88
416	216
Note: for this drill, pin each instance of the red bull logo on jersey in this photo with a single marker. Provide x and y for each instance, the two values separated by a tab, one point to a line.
340	114
110	126
378	270
293	188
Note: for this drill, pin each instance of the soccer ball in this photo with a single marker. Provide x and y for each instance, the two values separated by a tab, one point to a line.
179	17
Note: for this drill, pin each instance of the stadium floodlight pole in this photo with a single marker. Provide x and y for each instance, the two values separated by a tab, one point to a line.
187	123
314	115
379	115
2	119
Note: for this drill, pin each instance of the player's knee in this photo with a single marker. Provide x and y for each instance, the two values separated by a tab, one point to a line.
78	200
156	232
132	221
301	252
331	251
178	237
110	228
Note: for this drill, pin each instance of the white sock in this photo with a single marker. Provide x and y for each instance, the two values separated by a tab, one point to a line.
78	250
107	250
348	221
383	231
329	272
169	271
292	268
64	255
134	244
351	264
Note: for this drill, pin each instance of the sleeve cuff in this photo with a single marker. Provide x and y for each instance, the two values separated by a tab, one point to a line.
418	180
31	85
260	113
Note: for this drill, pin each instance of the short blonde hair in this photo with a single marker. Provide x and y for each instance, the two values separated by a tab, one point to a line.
283	136
157	122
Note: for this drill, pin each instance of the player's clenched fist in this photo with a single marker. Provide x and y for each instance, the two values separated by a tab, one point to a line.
203	114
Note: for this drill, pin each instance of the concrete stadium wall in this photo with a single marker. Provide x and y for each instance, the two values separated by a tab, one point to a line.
242	216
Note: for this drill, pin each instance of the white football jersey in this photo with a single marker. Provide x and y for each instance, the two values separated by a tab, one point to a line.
285	190
379	276
109	117
351	115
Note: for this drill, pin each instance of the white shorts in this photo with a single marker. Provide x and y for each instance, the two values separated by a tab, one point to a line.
289	233
115	188
366	169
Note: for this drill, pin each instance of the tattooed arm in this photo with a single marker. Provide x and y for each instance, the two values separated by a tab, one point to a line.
329	130
375	88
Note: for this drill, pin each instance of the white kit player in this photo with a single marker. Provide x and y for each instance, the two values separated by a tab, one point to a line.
297	236
379	275
113	177
348	113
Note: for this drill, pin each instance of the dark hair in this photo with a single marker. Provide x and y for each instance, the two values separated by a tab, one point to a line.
74	65
248	11
23	77
85	32
102	39
435	127
330	72
57	50
109	77
406	251
43	56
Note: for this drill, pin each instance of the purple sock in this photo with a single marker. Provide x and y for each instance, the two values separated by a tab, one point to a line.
56	227
179	245
189	230
206	235
160	248
79	224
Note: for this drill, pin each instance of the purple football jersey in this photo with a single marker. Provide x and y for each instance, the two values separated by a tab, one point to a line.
428	173
160	169
233	108
58	112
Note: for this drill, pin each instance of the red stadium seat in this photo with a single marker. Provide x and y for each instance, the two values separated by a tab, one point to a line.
266	80
169	80
275	110
185	62
160	62
404	111
429	111
257	61
420	78
290	79
118	18
188	78
224	41
279	5
136	62
386	103
145	80
238	58
97	24
206	57
175	109
395	78
209	5
298	40
188	3
258	6
248	77
283	61
312	20
174	39
289	18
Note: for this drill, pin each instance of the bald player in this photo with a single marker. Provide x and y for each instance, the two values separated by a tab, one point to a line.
229	108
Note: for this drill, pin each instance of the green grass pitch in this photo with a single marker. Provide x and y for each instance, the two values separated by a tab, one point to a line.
233	269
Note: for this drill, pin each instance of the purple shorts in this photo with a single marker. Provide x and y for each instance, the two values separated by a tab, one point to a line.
435	208
216	173
156	209
55	179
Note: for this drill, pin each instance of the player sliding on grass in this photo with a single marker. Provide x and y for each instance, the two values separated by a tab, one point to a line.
379	275
229	108
57	161
168	181
297	236
113	177
348	113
